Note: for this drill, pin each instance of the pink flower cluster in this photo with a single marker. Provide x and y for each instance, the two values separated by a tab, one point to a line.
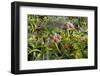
56	37
69	25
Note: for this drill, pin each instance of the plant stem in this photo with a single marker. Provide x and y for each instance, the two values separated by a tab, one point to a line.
57	48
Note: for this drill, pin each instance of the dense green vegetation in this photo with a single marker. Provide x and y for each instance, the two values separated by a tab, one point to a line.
57	37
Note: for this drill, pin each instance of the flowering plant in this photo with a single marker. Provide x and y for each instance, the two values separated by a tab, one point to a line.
54	37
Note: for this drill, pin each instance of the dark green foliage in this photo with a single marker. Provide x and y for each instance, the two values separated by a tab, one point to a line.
48	39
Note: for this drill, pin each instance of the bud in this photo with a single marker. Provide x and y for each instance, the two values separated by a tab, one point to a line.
56	37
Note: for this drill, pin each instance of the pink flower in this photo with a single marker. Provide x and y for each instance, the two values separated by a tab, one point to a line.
56	38
68	25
